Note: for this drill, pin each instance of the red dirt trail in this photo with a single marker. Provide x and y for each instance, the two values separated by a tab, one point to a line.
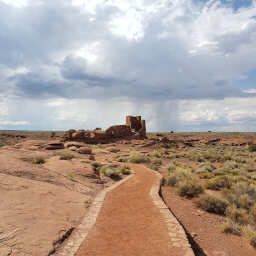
129	223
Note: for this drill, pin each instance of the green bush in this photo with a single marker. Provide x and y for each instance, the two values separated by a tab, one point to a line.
212	204
96	164
123	159
238	215
136	157
163	181
125	169
252	215
38	160
225	158
111	172
176	176
206	167
171	167
229	165
249	233
65	156
155	163
71	175
189	188
253	176
241	194
155	154
204	175
252	148
219	182
231	227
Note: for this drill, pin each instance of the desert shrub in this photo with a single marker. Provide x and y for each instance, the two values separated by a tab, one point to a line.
231	227
250	167
225	158
219	173
163	181
171	155
212	204
219	182
38	160
241	194
204	175
163	151
111	172
155	154
239	159
229	165
196	157
212	156
71	175
65	156
243	172
189	188
96	164
252	215
249	233
171	167
176	176
136	157
206	167
252	148
238	215
253	176
169	144
245	202
154	163
125	169
123	159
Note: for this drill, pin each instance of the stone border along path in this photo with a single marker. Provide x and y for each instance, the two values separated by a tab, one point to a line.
175	230
166	225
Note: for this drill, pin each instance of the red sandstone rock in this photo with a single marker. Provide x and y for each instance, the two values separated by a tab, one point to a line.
85	150
54	145
77	135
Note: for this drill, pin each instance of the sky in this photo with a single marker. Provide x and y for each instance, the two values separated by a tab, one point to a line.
183	65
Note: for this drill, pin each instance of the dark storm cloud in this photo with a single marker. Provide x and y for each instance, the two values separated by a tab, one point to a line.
76	69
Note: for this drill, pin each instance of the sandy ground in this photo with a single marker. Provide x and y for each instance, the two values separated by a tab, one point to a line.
40	204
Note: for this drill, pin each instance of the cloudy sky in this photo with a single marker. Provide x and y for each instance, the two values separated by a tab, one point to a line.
184	65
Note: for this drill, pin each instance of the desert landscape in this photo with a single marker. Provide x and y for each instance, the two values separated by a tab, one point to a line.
49	181
127	128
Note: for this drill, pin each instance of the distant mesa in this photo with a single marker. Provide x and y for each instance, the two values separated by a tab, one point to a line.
135	128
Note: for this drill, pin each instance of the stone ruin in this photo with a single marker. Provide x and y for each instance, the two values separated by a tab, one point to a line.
135	128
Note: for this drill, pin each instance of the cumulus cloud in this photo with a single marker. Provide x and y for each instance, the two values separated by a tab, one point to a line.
107	56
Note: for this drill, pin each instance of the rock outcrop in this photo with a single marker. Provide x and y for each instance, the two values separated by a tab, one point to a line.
135	128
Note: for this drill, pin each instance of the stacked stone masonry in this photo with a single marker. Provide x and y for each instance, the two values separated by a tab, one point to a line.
135	128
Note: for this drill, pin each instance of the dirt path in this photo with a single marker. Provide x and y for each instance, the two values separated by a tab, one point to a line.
129	223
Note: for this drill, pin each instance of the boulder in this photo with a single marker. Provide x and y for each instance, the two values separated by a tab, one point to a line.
54	145
78	135
113	149
73	144
85	150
